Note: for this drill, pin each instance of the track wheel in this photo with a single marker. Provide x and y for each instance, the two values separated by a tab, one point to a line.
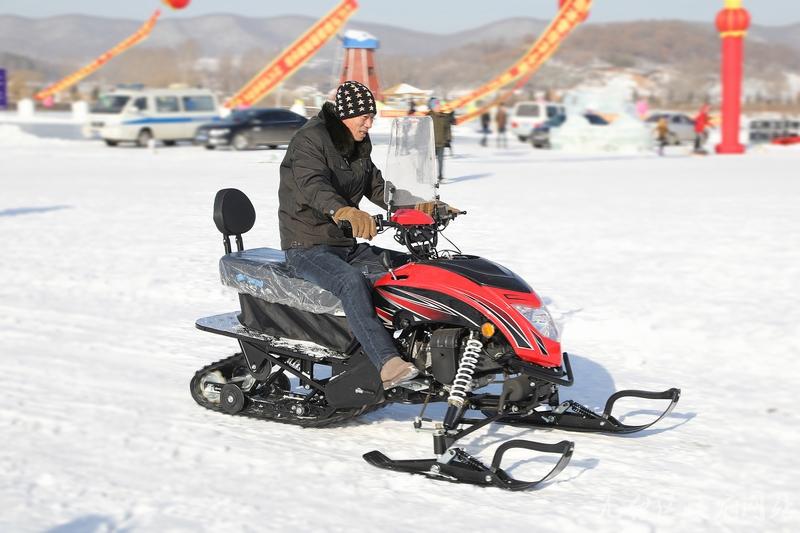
231	399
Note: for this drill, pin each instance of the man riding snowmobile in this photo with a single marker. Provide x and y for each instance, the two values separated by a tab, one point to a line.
463	322
326	172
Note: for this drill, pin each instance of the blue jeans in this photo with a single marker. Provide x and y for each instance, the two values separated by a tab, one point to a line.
340	270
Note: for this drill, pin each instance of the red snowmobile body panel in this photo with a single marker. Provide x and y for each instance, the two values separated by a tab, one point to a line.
440	291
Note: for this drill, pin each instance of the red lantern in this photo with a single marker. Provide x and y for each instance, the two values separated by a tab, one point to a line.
733	22
177	4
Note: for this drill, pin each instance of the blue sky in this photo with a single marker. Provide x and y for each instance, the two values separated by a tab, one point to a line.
440	16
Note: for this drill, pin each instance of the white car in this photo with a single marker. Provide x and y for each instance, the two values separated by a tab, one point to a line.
681	126
525	116
168	115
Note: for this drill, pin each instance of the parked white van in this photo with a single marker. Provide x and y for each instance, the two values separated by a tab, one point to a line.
525	116
168	115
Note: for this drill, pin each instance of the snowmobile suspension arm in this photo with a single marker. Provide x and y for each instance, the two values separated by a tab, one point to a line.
550	375
444	440
289	368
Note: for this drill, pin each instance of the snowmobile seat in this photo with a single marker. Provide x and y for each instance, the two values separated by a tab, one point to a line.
263	274
271	300
275	303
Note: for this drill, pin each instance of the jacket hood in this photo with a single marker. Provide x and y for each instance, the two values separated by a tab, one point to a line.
342	139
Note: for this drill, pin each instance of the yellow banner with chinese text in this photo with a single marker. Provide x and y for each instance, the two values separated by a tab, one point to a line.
571	14
140	35
294	56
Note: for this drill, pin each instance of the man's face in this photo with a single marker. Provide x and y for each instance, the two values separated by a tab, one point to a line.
359	126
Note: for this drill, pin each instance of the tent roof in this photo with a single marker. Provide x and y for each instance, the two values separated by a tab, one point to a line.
405	88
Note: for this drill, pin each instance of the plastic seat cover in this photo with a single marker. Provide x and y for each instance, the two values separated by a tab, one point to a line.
262	273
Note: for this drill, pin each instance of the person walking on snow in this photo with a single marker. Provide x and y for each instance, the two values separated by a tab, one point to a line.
326	172
441	133
662	134
451	121
486	120
500	119
701	122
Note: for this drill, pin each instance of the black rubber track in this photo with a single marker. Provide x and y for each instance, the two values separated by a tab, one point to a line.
333	416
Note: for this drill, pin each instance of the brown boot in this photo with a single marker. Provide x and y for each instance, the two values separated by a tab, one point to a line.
395	371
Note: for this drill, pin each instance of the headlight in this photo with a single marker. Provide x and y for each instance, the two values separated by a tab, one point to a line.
539	319
219	131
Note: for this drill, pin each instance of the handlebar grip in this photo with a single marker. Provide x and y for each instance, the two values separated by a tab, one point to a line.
346	227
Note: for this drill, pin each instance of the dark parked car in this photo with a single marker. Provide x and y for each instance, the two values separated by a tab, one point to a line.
540	135
250	128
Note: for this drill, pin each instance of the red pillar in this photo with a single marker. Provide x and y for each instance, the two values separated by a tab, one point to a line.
732	23
359	65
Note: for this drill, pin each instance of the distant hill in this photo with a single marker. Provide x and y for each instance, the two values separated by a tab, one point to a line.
231	48
79	37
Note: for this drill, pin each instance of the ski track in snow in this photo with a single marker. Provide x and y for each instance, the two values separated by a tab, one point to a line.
680	271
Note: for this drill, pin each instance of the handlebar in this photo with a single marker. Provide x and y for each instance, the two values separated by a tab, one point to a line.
419	239
382	224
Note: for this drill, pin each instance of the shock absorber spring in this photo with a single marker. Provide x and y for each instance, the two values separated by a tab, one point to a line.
462	383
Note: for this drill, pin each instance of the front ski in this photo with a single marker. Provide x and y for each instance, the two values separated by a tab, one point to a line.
572	416
457	466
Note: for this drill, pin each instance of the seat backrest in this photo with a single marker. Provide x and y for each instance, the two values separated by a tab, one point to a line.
234	214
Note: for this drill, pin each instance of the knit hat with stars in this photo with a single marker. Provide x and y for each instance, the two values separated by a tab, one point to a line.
354	99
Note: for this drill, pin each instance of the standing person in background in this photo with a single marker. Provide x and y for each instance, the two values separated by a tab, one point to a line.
441	133
701	122
412	108
662	134
451	121
486	120
500	119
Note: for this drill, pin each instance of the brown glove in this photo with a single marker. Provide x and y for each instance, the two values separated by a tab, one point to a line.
429	208
362	222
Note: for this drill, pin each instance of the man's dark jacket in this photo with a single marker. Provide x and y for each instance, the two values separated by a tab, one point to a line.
324	170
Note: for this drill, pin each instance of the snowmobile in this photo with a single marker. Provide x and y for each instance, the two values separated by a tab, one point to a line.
481	337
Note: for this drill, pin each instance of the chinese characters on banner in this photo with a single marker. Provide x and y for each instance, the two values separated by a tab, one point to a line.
570	15
140	35
294	56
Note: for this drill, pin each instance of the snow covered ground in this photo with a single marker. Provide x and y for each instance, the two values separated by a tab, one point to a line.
678	271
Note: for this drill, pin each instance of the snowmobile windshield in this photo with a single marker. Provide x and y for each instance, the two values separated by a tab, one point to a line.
410	170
